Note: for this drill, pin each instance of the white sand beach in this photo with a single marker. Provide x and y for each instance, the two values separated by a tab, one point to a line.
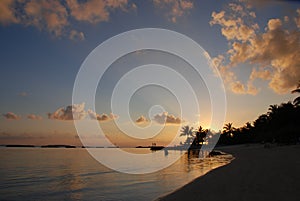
256	174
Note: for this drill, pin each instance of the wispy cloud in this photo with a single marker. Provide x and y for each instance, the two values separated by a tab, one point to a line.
165	118
11	116
273	50
174	9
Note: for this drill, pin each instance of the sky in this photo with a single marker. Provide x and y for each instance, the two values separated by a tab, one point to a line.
253	44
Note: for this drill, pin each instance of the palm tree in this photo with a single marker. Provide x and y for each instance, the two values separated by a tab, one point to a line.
297	90
262	121
248	126
228	129
273	109
200	135
273	113
186	131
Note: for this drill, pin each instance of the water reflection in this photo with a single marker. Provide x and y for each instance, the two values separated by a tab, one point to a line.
166	152
72	174
70	182
67	178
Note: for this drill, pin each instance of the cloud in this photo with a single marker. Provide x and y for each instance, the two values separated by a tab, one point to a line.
262	74
46	15
174	8
55	16
235	22
7	12
91	11
34	117
102	117
275	50
238	88
71	112
95	11
77	112
206	55
11	116
77	36
165	118
251	89
228	76
141	120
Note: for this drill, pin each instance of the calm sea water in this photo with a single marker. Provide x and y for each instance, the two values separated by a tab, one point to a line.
72	174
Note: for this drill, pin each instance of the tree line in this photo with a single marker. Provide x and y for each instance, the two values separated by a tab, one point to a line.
280	124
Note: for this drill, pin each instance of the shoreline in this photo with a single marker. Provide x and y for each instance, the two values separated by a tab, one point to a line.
256	173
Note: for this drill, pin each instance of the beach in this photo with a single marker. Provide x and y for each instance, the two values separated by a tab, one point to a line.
257	173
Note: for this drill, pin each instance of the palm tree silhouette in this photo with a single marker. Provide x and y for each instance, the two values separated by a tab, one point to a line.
200	135
297	90
273	112
228	129
246	128
273	109
248	125
188	132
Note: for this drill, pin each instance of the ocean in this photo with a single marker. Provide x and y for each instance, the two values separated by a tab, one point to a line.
72	174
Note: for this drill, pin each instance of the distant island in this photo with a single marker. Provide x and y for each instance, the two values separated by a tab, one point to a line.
19	145
58	146
143	147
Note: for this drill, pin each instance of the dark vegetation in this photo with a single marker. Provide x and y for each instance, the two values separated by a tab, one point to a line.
280	125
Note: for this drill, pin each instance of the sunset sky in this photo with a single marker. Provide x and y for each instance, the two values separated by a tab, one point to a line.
253	43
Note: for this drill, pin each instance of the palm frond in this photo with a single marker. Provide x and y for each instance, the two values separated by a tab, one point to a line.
296	91
297	101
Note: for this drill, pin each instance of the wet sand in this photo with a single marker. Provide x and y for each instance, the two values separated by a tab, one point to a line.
256	174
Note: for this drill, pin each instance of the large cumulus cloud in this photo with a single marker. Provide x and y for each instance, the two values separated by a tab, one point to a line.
78	112
71	112
273	51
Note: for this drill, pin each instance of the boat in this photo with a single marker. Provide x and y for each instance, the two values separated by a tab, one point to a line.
154	147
